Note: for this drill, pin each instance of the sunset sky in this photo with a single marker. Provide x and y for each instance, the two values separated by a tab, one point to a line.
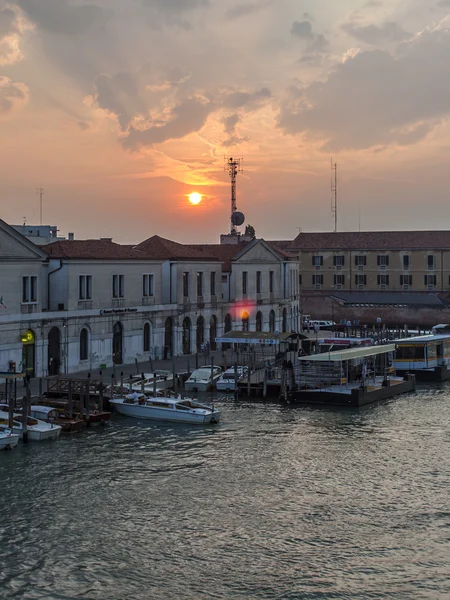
121	108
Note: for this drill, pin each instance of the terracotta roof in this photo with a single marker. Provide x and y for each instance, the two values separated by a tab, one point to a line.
162	249
92	249
398	298
372	240
222	252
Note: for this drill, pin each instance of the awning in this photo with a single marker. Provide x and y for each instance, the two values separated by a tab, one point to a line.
341	355
266	338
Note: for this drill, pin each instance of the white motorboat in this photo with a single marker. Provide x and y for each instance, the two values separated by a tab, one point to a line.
38	430
8	439
171	408
203	379
164	381
230	378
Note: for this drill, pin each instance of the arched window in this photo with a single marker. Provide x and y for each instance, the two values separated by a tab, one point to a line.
284	323
245	321
272	321
200	333
228	323
147	337
84	342
259	321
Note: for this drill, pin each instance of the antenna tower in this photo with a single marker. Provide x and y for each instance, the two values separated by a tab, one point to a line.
40	192
233	166
334	196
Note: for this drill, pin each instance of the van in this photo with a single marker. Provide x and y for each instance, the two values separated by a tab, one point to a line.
321	325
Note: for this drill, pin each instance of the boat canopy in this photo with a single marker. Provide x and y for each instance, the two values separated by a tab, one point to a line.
423	339
351	353
269	338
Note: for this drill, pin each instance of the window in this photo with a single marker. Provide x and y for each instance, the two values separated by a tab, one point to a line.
147	337
406	262
147	285
430	261
85	287
300	279
382	279
317	261
213	283
339	261
361	279
271	273
186	284
339	279
84	337
258	282
200	283
317	279
405	279
383	260
430	280
360	260
224	278
118	286
244	282
29	289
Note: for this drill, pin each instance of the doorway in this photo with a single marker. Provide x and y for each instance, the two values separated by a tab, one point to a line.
54	351
117	343
28	353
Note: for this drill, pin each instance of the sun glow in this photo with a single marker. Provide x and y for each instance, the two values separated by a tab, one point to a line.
195	198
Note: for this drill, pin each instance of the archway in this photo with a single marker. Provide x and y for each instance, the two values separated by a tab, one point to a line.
213	332
118	343
272	321
228	325
28	352
259	321
84	344
200	333
245	321
54	351
187	336
284	321
168	338
147	338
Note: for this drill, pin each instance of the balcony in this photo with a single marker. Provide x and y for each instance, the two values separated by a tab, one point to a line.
148	301
84	304
118	302
29	308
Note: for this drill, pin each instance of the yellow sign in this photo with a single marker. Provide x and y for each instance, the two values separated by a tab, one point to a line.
27	337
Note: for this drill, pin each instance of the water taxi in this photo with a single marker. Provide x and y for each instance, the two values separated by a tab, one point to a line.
160	408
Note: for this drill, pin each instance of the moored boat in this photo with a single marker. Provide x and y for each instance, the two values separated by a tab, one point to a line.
230	378
8	439
203	379
38	430
162	408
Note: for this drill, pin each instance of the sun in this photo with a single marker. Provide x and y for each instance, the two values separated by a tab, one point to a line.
195	198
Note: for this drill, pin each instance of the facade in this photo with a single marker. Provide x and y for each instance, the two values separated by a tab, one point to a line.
77	305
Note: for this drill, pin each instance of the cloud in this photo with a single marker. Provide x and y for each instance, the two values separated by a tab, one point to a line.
59	16
12	94
171	12
249	8
12	27
302	30
376	34
247	100
187	117
376	98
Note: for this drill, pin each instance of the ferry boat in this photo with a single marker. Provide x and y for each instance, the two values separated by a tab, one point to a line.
160	408
427	356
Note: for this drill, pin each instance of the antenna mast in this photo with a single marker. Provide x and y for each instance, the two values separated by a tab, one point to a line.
40	191
233	166
334	200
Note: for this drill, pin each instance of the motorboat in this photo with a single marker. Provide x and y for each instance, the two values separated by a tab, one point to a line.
37	430
164	381
230	378
165	408
8	439
203	379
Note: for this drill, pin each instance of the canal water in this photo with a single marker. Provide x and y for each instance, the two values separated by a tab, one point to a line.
274	503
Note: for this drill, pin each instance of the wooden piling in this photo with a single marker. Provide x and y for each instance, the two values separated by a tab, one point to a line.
236	390
121	383
248	379
70	401
10	400
154	385
212	372
175	386
142	384
88	381
265	383
25	410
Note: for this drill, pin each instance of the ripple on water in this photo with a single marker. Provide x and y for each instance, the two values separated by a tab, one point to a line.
274	503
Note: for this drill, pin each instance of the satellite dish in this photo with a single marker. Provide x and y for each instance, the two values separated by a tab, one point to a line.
237	218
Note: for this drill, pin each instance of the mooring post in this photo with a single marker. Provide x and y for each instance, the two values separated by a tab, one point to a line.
70	400
137	366
196	360
265	383
151	364
41	387
121	383
154	385
174	375
248	379
26	409
236	389
142	384
10	400
88	391
212	373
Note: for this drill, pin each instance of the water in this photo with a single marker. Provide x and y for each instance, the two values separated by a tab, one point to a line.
274	503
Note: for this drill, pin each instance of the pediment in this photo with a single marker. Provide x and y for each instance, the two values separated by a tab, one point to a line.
13	245
259	252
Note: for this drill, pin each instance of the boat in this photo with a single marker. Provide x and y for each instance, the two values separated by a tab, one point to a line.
164	381
203	379
166	408
50	414
37	430
230	378
426	356
8	439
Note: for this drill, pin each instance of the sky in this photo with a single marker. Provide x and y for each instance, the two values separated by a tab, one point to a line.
121	108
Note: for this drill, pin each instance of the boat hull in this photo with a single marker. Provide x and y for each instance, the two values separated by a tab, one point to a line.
167	414
9	441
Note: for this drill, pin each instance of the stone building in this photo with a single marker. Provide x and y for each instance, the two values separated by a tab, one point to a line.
82	304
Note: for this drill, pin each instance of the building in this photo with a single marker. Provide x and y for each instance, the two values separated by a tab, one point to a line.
75	305
357	275
41	234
